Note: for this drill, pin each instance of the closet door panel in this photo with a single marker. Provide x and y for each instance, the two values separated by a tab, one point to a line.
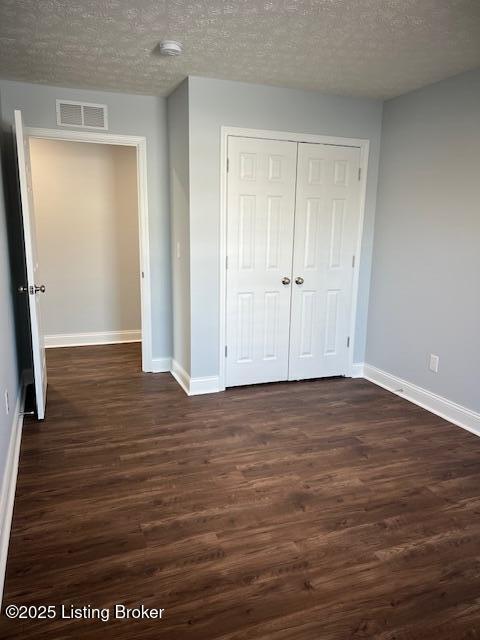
326	226
260	217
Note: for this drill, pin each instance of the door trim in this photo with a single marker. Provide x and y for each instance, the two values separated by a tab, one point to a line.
363	145
140	144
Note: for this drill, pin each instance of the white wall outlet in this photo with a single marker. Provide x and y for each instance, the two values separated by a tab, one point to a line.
7	402
178	250
434	361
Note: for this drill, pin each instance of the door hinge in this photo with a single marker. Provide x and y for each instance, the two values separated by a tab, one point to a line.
359	173
228	165
226	351
348	341
143	274
353	262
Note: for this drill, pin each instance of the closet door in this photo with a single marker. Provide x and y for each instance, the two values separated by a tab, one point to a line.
326	225
260	204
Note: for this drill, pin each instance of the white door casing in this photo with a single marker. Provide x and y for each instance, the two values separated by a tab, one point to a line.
327	215
261	202
31	257
140	144
362	145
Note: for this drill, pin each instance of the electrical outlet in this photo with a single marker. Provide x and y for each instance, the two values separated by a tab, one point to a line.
7	402
434	361
178	250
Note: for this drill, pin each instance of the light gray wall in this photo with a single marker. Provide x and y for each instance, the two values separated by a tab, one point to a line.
86	216
178	136
425	292
217	103
9	378
128	115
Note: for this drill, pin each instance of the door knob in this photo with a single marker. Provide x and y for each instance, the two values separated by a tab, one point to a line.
285	280
299	280
37	288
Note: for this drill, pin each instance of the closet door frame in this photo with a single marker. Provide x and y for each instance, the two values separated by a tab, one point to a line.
226	132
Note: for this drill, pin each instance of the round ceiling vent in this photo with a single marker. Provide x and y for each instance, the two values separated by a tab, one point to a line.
171	48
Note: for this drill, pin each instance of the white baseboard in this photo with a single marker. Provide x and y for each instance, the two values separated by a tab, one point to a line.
451	411
194	386
9	483
160	365
208	384
181	376
357	370
94	337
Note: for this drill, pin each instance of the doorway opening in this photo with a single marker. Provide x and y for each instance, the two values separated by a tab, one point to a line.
84	207
86	221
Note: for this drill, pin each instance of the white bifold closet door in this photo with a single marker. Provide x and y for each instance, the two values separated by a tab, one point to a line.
293	215
261	205
326	229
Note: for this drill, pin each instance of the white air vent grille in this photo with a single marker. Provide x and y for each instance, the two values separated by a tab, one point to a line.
70	114
83	115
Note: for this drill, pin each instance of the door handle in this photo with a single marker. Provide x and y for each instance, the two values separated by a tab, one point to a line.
299	280
37	288
286	280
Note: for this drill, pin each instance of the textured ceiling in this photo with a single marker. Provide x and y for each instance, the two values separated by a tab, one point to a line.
376	48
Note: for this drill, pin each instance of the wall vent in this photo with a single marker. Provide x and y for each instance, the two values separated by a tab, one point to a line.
82	115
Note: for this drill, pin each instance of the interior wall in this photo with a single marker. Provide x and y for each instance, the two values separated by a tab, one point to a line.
425	292
86	215
128	115
178	131
217	103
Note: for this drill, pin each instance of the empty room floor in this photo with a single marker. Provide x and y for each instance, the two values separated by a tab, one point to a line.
296	511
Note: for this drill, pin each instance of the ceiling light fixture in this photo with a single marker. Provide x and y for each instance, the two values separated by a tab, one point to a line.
171	48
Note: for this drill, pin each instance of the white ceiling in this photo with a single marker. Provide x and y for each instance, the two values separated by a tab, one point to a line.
376	48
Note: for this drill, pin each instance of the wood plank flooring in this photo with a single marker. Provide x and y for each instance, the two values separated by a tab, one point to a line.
324	510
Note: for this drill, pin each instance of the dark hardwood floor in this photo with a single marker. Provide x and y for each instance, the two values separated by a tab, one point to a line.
325	510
